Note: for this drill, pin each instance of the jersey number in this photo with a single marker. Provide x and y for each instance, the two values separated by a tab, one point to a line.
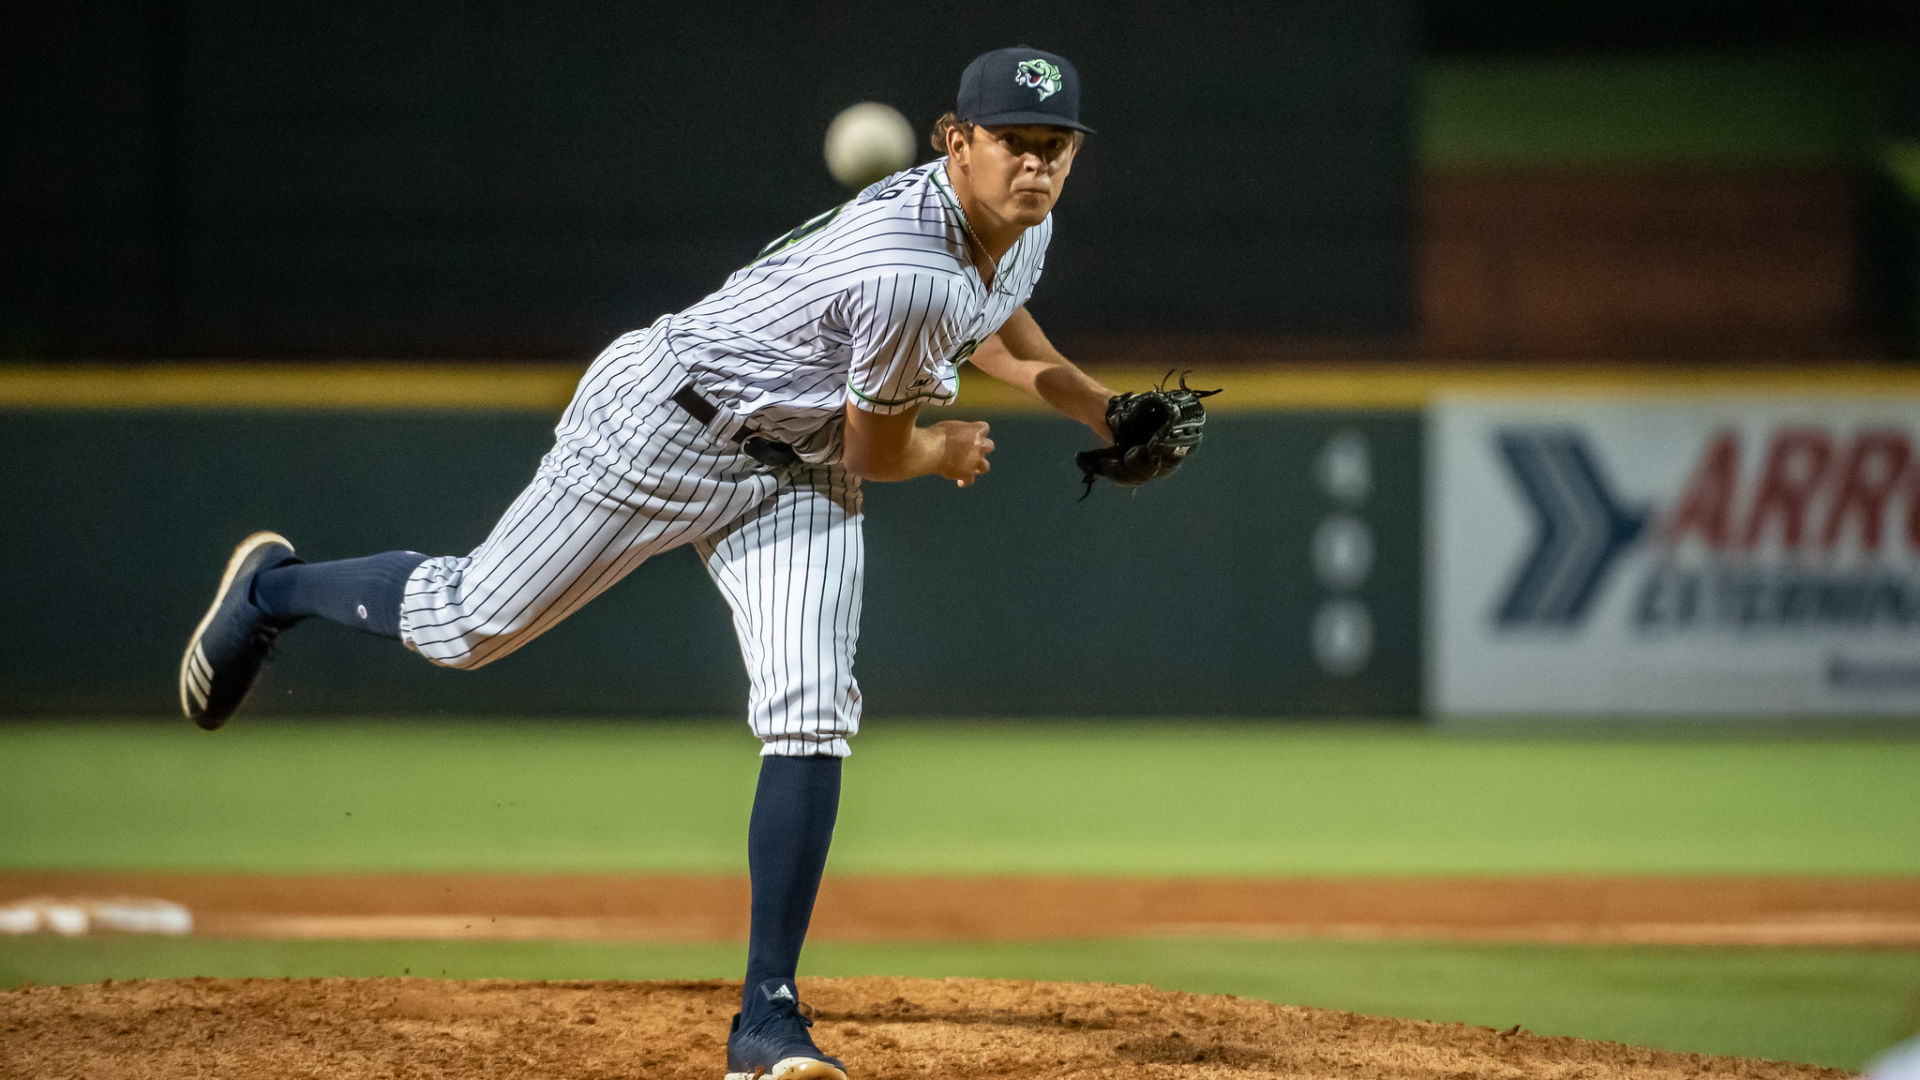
894	190
807	228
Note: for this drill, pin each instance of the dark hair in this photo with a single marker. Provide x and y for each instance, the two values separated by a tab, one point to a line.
949	122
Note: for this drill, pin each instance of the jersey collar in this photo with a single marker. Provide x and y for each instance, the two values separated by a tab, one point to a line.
951	199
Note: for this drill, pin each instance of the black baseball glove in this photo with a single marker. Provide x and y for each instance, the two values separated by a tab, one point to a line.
1153	432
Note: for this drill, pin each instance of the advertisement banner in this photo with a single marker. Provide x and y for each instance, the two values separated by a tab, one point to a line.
1710	556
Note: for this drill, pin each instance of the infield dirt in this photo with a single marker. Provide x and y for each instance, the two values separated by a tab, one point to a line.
1581	910
347	1029
886	1029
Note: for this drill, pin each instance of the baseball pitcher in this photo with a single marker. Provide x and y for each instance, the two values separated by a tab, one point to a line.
745	426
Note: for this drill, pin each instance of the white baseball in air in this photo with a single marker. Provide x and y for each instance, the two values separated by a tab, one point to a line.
866	142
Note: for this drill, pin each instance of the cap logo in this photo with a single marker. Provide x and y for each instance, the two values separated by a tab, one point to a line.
1039	74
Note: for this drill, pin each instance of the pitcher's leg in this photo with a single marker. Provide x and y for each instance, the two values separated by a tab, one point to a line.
559	546
630	475
363	593
551	552
792	572
795	804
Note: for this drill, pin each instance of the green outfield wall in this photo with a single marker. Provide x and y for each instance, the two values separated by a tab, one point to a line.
1203	595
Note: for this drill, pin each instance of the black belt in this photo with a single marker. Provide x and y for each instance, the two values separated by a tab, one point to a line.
774	455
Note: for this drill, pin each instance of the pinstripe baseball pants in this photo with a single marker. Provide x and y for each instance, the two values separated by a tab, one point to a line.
632	475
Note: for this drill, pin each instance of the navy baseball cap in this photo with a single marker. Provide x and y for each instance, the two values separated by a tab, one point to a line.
1021	85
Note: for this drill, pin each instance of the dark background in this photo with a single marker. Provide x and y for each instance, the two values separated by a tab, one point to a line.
187	179
195	178
1525	28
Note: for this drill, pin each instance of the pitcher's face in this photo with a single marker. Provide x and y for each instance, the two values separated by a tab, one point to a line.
1015	173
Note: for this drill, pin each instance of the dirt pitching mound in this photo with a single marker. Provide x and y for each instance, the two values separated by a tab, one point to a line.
346	1029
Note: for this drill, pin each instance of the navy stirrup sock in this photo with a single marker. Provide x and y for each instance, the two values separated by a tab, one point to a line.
361	593
794	808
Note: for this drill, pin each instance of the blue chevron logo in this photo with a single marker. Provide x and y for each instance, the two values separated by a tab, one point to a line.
1582	527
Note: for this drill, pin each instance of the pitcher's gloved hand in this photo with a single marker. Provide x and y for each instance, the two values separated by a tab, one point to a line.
1153	432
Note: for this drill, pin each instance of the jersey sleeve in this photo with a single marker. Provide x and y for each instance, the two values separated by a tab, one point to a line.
900	336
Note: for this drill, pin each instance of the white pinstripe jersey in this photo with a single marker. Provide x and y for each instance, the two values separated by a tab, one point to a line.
874	301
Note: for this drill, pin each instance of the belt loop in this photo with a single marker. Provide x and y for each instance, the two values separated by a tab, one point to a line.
695	404
769	452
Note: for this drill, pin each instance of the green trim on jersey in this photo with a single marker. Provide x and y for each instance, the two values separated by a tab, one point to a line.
902	401
800	232
940	188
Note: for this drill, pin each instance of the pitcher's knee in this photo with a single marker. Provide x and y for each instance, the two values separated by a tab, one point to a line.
468	645
446	617
455	654
808	717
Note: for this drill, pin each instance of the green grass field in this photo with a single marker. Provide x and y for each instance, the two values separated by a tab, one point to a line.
1233	799
1177	798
